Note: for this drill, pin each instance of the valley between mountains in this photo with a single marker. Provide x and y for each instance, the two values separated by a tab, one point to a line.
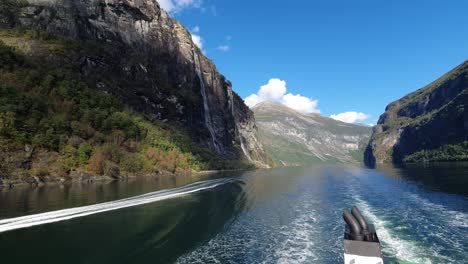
110	89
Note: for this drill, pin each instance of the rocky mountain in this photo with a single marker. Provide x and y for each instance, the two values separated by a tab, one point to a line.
294	139
92	88
134	51
430	124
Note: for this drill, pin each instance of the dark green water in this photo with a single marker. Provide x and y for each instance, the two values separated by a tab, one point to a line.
273	216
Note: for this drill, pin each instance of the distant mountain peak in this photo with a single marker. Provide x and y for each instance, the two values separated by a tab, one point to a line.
293	138
269	104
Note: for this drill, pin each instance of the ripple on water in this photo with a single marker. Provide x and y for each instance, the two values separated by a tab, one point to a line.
454	218
395	245
299	236
307	227
412	223
67	214
264	236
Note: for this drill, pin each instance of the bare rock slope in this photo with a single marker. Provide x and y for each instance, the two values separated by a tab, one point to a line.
296	139
148	60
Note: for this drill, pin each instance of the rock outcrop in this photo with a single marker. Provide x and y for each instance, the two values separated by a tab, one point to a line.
295	139
424	121
148	60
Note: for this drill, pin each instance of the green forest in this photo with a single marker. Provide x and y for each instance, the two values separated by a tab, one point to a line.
72	127
454	152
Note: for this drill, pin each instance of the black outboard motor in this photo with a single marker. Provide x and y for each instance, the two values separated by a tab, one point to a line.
361	244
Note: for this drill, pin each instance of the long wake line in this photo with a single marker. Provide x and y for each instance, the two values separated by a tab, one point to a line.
67	214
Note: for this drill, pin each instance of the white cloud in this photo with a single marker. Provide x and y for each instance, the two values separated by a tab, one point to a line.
197	40
224	48
196	29
166	5
175	6
276	90
301	103
351	117
253	100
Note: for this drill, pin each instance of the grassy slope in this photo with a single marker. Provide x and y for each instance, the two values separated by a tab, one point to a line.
72	127
284	150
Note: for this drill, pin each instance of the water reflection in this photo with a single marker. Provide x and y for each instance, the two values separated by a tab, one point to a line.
25	200
154	233
286	215
442	177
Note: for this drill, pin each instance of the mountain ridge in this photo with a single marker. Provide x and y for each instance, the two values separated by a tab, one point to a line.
430	124
153	64
130	53
292	138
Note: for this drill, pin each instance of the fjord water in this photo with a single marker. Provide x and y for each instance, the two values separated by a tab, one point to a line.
290	215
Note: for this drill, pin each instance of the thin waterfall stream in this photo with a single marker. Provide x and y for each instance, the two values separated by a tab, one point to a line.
206	106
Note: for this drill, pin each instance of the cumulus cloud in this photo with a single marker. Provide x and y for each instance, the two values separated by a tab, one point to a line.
351	117
276	90
166	5
175	6
301	103
253	100
196	38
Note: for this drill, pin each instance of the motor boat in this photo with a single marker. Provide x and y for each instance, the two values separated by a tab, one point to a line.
361	243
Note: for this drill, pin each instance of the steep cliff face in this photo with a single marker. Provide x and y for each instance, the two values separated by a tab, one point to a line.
421	125
295	139
149	61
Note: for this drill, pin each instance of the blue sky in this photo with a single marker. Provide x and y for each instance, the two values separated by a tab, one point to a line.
345	56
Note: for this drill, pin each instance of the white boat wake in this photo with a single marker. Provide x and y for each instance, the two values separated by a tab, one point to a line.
396	246
67	214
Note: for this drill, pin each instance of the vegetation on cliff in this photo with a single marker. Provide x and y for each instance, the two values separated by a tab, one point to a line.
456	152
52	123
137	53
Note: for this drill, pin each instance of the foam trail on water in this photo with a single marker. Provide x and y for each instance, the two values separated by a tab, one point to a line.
456	218
298	245
67	214
402	249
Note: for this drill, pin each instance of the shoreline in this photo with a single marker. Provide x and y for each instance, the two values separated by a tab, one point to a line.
81	177
85	178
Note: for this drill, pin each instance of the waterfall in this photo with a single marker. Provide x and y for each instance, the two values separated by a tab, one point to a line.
206	106
238	129
246	152
231	101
